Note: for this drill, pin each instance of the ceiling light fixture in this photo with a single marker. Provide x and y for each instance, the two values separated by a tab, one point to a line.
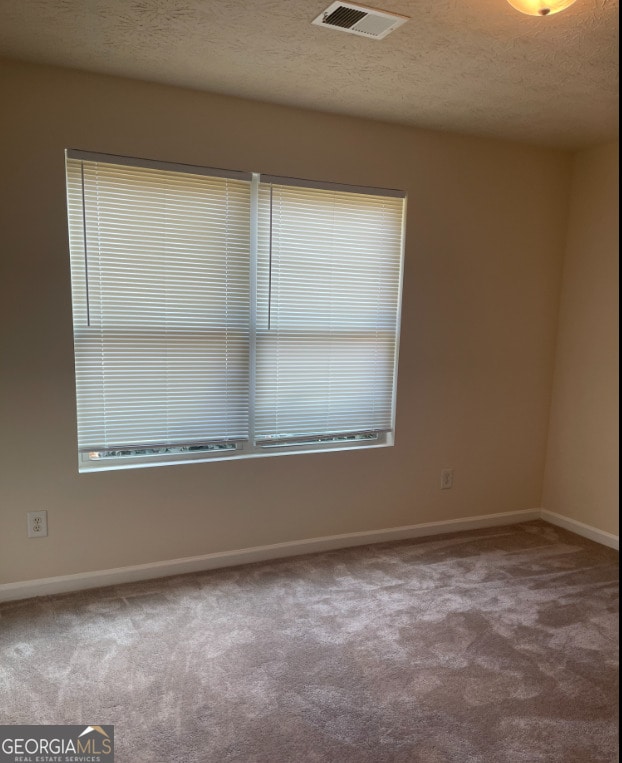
540	7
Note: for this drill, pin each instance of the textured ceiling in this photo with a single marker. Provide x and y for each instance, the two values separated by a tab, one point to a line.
472	66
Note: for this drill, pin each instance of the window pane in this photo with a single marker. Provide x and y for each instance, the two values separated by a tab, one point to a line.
329	267
160	275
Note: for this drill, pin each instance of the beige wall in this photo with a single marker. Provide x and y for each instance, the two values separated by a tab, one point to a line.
486	230
582	459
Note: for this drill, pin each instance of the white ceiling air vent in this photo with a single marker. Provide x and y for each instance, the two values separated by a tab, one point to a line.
357	19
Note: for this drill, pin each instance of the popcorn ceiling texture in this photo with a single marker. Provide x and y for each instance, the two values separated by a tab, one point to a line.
472	66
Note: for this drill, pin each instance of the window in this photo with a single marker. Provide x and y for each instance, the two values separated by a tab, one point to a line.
224	314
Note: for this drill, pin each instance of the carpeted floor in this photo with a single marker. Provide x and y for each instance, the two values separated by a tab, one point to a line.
489	646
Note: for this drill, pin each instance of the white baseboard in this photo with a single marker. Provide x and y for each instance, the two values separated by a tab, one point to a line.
587	531
81	581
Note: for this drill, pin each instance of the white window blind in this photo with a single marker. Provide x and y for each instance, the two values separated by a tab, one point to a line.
224	315
160	280
329	274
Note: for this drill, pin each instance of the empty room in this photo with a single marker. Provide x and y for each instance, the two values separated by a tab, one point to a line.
309	381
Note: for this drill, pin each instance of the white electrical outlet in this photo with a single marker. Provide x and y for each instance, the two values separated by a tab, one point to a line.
37	524
447	479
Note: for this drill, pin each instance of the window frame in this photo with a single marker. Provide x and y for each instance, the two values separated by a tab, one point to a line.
251	448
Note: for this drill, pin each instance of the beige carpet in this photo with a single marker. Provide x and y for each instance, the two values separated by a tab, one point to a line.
489	646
